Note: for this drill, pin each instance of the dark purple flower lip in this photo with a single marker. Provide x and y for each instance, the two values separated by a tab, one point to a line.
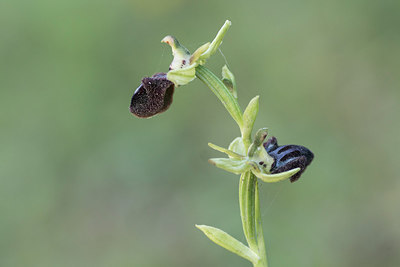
288	157
153	96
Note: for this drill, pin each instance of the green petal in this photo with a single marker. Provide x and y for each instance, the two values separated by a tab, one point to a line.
237	146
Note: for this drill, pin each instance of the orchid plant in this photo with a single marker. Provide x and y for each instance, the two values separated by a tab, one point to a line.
253	159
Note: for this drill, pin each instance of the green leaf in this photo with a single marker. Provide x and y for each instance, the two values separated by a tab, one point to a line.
228	242
235	166
276	177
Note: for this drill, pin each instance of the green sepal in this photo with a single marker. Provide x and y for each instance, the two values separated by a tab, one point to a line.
235	166
276	177
182	76
228	242
230	153
215	43
229	80
237	146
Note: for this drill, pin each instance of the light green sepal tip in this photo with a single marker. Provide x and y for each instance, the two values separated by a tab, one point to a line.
277	177
215	43
182	76
228	242
230	153
235	166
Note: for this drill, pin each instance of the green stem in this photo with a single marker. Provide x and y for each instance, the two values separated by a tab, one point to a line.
262	253
251	216
247	208
248	186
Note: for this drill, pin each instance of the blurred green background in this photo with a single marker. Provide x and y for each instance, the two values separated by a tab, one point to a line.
84	183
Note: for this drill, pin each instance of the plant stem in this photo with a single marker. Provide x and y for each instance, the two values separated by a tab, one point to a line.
262	253
247	208
251	216
248	186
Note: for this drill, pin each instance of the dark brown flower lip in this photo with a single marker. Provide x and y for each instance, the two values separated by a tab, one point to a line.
153	96
288	157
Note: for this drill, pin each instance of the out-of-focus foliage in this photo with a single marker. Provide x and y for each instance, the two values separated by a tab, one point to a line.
84	183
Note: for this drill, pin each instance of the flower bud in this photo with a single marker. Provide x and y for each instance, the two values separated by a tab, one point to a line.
153	96
288	157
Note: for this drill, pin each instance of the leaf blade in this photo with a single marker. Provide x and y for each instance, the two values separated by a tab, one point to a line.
228	242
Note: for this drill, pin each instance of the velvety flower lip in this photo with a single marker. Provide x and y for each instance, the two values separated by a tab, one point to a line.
153	96
288	157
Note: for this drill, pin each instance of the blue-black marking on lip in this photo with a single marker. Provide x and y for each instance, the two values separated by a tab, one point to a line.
288	157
